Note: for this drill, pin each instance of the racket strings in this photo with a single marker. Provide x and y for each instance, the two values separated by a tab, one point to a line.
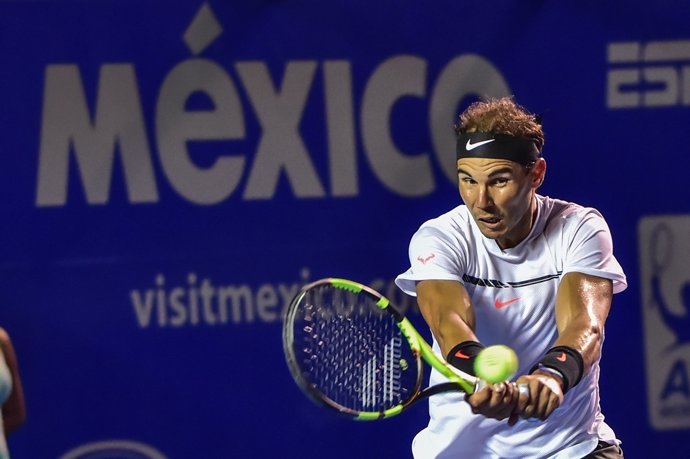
352	352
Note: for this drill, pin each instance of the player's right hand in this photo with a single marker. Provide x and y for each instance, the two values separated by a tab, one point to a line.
496	401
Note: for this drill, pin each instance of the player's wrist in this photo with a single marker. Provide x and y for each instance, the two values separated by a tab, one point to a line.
552	373
463	355
564	362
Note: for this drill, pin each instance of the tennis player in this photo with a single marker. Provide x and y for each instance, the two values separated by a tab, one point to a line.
13	413
513	267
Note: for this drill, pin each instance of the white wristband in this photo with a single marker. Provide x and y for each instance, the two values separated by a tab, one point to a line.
553	371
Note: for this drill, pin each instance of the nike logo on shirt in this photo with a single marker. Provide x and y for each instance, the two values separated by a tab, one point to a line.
501	304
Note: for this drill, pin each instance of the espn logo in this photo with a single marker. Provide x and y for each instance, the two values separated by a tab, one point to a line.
653	74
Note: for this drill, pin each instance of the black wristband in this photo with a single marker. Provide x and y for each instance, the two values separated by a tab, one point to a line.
565	360
462	356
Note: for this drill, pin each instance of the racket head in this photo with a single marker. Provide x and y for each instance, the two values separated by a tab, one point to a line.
345	350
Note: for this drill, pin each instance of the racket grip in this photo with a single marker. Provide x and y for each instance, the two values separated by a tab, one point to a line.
479	384
523	389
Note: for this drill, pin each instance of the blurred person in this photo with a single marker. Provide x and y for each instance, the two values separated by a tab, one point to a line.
11	393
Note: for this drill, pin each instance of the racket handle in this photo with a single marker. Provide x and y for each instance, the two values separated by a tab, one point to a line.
523	389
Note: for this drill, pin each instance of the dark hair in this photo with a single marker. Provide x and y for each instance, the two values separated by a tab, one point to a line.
501	116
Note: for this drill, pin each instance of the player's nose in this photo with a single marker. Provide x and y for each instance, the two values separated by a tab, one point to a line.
484	200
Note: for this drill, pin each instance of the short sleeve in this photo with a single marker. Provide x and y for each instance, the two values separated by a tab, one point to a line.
590	250
434	254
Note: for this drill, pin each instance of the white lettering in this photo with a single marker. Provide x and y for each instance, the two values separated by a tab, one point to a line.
175	126
179	308
341	129
287	293
281	147
66	126
667	79
201	303
207	293
142	309
193	305
239	296
199	148
407	175
266	302
655	74
617	81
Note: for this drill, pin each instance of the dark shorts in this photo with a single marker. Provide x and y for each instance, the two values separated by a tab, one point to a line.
605	451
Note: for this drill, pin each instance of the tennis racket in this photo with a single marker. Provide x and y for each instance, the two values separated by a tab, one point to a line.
349	349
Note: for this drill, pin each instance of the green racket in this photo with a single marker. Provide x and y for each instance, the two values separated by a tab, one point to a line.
349	349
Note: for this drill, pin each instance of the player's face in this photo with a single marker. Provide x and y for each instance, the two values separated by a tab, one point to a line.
499	194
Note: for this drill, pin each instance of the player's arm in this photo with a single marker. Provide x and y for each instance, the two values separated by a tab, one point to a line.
13	410
582	306
447	309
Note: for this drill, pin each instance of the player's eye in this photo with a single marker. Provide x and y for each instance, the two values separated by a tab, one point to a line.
500	181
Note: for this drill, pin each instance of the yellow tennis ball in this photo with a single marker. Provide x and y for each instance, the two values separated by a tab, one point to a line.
495	364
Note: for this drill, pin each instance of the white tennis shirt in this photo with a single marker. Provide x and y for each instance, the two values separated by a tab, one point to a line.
513	292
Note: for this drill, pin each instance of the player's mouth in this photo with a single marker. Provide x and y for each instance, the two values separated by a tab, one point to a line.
491	223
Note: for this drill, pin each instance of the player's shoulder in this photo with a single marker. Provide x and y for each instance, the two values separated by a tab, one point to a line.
565	217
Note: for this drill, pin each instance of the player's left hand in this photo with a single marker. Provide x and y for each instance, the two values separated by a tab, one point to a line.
545	394
496	401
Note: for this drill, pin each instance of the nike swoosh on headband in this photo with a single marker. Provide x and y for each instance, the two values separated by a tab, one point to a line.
471	146
521	149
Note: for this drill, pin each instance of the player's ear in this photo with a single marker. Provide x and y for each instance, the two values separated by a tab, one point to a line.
538	172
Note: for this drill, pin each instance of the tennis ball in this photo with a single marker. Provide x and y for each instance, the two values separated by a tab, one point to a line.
495	364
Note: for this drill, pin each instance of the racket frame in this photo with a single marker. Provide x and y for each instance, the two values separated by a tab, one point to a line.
457	380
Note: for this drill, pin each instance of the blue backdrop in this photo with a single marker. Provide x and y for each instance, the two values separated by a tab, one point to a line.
172	172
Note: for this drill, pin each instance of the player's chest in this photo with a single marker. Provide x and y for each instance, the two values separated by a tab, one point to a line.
512	288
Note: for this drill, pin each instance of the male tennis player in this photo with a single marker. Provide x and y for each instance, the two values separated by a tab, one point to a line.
513	267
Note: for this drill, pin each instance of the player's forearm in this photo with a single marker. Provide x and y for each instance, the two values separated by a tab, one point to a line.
447	310
456	338
450	329
585	336
582	305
